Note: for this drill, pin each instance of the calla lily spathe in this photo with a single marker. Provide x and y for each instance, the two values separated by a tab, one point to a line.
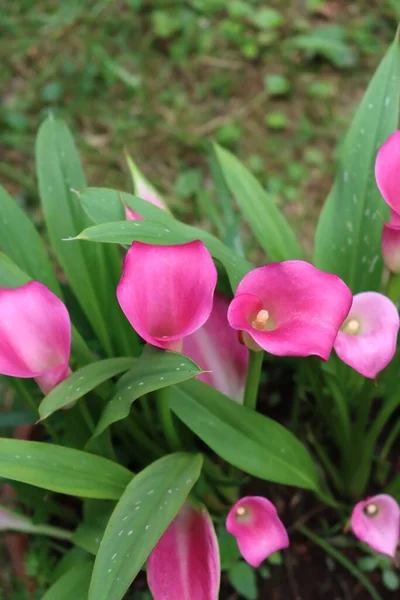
216	348
258	530
376	521
368	337
185	562
166	292
387	175
35	335
290	308
144	190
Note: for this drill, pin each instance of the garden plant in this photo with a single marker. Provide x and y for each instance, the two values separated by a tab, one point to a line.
140	350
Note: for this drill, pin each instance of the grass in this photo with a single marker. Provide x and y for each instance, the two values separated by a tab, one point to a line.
163	77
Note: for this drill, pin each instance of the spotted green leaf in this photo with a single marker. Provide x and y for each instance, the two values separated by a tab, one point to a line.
348	237
244	438
81	382
155	369
141	516
62	470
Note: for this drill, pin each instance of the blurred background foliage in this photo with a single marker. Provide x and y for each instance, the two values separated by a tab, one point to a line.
276	82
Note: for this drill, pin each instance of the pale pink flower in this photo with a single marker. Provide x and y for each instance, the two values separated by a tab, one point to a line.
368	337
185	565
216	348
290	309
258	530
166	292
376	521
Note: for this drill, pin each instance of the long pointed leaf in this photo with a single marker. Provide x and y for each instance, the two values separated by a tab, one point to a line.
143	513
242	437
348	237
62	470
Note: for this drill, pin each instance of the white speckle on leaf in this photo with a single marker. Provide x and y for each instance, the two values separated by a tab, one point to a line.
121	532
130	533
125	518
349	225
387	100
188	481
370	106
354	198
147	527
150	492
137	507
141	383
346	176
113	556
373	263
349	241
367	212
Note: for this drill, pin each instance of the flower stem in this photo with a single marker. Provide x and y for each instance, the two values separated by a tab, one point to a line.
393	287
253	379
167	419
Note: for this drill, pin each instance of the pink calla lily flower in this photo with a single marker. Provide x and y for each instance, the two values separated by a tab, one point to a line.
185	562
367	339
144	190
35	335
376	521
258	530
387	171
391	243
216	348
166	292
290	309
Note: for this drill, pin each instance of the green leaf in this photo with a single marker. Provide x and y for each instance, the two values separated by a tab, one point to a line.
104	206
393	489
268	224
342	560
155	369
96	516
242	437
74	584
81	382
62	470
147	507
327	41
20	240
390	580
348	237
92	271
243	579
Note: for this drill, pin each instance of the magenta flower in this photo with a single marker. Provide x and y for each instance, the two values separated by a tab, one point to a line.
215	347
376	521
290	309
166	292
391	242
35	335
184	565
144	190
387	174
258	530
387	171
367	339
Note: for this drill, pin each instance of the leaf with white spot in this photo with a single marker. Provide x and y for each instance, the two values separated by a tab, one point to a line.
143	513
348	237
81	382
63	470
155	369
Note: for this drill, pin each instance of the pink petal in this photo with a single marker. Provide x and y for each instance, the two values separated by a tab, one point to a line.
35	333
387	170
215	347
305	308
379	529
131	215
184	565
166	292
143	188
391	247
371	348
258	530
